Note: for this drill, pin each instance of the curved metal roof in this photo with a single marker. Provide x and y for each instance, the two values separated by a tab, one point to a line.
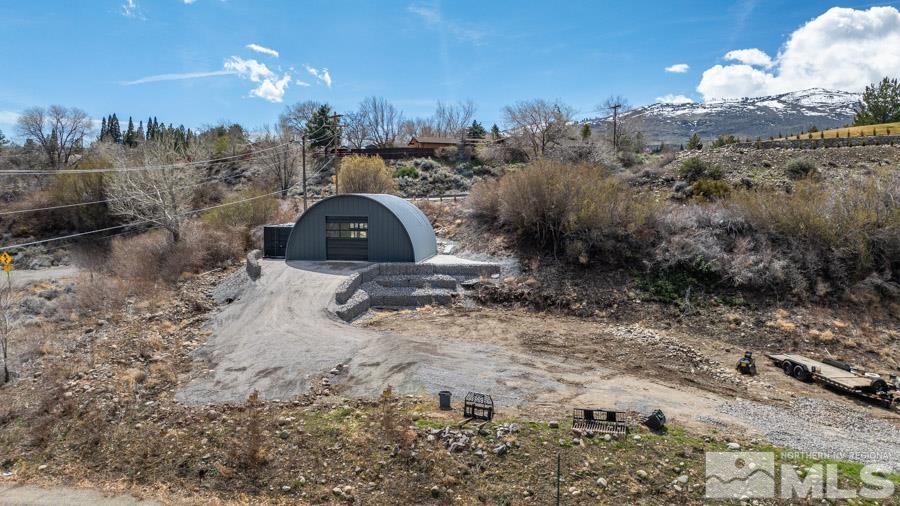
414	222
421	233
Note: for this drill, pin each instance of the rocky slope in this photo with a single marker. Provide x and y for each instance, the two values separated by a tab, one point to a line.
747	117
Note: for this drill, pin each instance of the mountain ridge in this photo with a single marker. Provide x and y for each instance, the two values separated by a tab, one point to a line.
749	117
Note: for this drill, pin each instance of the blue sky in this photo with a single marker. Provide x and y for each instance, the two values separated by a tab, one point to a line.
145	57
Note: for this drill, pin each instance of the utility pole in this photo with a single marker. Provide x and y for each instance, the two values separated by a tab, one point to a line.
336	140
303	158
615	108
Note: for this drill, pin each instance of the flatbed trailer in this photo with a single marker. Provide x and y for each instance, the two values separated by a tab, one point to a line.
844	380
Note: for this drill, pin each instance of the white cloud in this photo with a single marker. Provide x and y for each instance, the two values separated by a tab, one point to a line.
130	9
432	17
320	75
178	77
678	68
271	87
262	49
301	83
189	2
843	49
8	117
674	99
270	90
752	56
249	69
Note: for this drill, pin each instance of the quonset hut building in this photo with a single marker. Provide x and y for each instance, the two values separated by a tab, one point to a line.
355	226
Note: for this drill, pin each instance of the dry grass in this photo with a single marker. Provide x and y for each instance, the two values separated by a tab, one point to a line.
855	131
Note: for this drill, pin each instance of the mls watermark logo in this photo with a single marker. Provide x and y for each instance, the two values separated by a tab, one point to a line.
752	475
733	475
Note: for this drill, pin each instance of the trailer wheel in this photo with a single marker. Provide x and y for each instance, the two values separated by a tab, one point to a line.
787	367
800	373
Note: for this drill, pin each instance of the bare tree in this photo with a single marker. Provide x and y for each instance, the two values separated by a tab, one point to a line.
451	120
280	160
538	124
382	120
612	108
355	129
160	195
5	327
58	130
296	116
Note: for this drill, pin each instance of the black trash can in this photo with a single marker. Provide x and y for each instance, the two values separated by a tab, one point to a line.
444	399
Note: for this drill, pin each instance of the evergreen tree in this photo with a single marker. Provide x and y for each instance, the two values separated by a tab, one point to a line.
585	132
3	140
321	129
694	142
140	131
880	103
115	132
103	129
149	128
476	131
495	132
130	139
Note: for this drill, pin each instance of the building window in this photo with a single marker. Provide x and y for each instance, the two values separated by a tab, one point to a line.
347	230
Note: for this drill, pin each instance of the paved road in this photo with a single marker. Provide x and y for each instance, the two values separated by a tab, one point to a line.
30	495
21	278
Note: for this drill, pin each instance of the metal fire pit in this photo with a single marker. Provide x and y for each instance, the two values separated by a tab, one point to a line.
478	406
600	420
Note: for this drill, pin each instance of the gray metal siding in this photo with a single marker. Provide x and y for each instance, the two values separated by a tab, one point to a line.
396	233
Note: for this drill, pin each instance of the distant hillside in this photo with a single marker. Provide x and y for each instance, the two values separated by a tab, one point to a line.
748	117
856	131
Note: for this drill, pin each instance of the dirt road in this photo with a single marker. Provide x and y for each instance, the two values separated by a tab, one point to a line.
277	337
21	495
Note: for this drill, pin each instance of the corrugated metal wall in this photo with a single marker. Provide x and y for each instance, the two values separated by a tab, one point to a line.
389	240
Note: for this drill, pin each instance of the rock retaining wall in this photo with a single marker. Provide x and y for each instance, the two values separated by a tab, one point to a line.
404	285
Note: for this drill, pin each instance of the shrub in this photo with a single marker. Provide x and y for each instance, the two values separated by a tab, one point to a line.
557	206
446	153
249	213
364	174
710	189
799	168
628	158
406	171
484	200
693	169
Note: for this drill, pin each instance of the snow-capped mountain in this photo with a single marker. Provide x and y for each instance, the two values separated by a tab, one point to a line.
748	117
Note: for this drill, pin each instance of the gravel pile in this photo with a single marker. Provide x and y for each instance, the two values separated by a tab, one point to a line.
824	428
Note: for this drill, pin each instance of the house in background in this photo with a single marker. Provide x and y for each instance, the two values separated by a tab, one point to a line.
432	142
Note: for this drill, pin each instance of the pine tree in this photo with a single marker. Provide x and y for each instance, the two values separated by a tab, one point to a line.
140	131
103	129
694	142
3	140
585	132
115	132
880	103
495	132
476	131
129	134
320	129
149	128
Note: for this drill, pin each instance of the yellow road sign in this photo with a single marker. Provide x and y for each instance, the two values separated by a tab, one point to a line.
5	258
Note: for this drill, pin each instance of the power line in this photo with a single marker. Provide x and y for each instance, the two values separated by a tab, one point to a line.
144	222
139	168
78	204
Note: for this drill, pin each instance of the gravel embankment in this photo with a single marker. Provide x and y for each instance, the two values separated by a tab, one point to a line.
824	428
